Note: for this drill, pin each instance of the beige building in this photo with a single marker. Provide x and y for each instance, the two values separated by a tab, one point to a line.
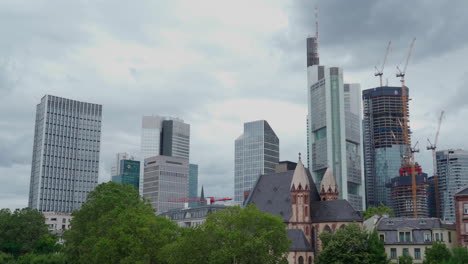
293	195
411	236
57	222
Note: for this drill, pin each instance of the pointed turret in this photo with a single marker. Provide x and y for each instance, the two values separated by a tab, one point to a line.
202	198
300	181
328	187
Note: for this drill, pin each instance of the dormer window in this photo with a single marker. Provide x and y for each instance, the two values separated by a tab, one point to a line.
422	222
390	223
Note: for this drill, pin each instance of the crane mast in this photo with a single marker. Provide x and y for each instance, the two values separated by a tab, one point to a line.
380	72
433	147
408	158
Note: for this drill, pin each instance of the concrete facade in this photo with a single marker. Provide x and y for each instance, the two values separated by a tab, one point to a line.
57	222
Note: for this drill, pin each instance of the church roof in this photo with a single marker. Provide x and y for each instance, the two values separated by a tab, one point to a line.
272	193
333	211
328	181
299	241
463	191
300	176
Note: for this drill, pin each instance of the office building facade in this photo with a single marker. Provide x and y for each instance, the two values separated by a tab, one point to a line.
193	183
452	168
165	181
164	136
384	143
65	162
334	131
256	153
129	173
115	169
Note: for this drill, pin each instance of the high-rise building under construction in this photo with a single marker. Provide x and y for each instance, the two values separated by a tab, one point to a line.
383	141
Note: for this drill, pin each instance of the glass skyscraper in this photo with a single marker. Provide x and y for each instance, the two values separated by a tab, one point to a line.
452	170
256	152
165	180
65	161
334	131
193	183
383	141
128	173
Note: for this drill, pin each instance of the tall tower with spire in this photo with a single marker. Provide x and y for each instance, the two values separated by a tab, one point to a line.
334	127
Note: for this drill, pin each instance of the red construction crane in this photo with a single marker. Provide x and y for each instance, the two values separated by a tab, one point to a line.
198	199
433	147
408	159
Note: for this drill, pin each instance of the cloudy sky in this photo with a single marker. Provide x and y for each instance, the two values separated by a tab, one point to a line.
217	64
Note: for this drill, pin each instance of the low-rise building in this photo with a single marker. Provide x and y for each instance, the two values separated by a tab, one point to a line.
191	217
461	216
57	222
411	236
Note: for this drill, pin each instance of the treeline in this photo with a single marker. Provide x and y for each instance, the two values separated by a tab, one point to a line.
116	225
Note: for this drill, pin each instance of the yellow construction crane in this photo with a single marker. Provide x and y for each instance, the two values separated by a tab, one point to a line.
408	158
380	72
433	147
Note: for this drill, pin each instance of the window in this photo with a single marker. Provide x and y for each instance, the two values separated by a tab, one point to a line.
402	236
301	260
417	253
382	237
442	237
407	236
450	236
393	253
466	227
427	237
437	237
465	207
405	252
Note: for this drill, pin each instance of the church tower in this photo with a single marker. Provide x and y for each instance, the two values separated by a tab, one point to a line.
328	187
300	200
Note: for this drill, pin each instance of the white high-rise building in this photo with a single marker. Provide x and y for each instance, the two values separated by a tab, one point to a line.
115	169
334	130
65	162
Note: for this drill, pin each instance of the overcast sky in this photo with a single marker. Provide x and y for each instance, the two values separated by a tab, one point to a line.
217	64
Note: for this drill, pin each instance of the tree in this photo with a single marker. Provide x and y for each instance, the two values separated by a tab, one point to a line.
460	255
347	246
21	230
437	254
233	235
380	210
376	249
116	225
405	260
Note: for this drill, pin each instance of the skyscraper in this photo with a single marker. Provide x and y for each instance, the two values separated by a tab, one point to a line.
384	144
115	169
165	181
334	131
193	183
163	136
65	162
256	152
128	173
452	168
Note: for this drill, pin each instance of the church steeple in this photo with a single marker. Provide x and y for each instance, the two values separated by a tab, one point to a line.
300	181
202	200
328	186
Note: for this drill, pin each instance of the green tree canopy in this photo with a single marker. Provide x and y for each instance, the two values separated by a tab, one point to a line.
405	260
116	225
437	254
379	210
351	245
22	230
233	235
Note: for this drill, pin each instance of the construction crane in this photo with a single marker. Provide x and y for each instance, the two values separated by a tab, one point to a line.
408	158
433	147
198	199
380	72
